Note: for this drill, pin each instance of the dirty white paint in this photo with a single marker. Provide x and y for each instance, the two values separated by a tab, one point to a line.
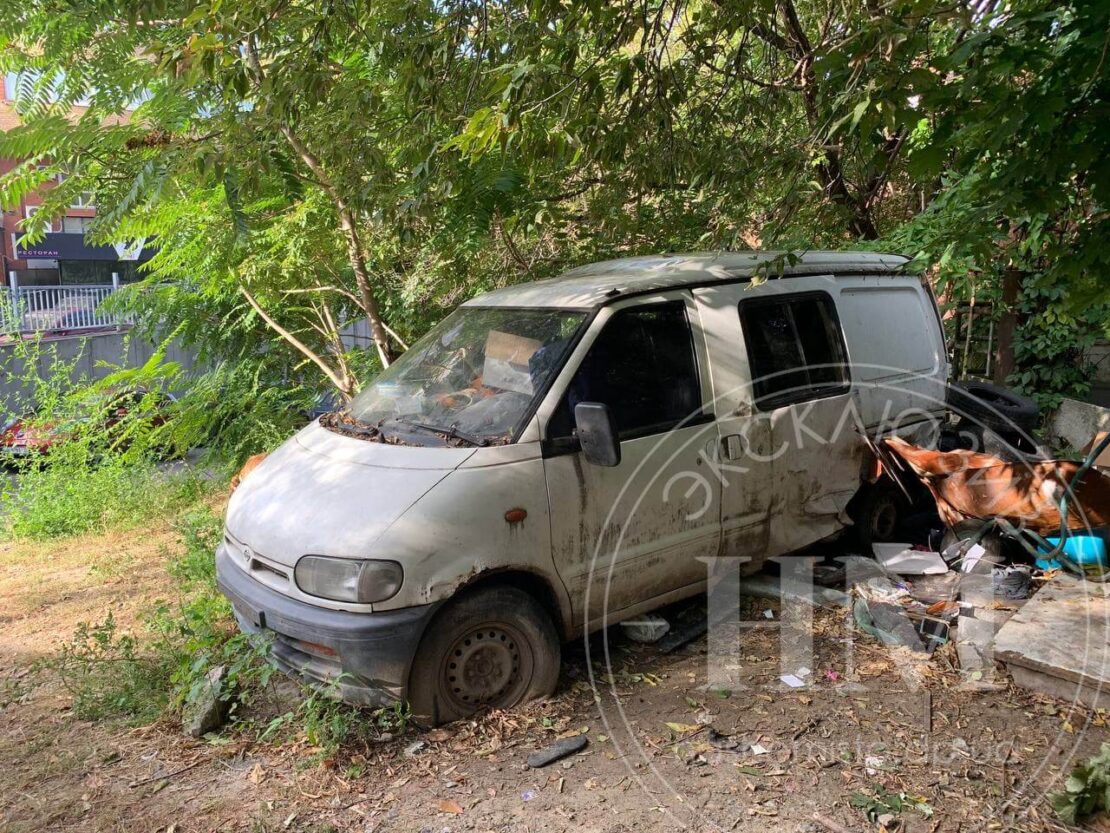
746	483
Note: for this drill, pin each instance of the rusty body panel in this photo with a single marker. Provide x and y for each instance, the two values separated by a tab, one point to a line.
970	485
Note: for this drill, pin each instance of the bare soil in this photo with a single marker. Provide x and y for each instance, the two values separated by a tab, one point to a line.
762	757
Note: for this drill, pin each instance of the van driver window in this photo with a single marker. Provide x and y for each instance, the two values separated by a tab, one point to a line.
643	367
795	349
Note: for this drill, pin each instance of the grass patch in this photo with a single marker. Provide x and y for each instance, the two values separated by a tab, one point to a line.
160	669
60	499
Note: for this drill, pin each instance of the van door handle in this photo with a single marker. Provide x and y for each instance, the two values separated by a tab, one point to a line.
732	445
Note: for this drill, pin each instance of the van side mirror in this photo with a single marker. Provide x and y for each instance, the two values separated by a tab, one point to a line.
597	433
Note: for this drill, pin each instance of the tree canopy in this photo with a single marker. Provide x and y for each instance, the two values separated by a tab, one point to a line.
305	164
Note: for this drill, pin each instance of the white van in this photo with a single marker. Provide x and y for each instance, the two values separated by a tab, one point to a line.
557	456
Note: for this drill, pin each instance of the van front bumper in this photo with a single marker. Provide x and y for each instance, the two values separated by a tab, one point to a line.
364	658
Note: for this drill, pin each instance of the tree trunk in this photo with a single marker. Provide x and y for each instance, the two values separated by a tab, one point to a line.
354	246
347	225
1007	324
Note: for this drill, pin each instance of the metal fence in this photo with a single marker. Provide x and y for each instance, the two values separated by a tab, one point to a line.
57	309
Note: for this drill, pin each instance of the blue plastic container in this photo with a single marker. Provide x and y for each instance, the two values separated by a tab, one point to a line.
1088	551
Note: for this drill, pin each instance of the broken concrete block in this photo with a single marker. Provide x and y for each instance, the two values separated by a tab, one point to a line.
210	709
1058	642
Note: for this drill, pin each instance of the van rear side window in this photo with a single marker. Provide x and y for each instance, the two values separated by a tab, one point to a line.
795	349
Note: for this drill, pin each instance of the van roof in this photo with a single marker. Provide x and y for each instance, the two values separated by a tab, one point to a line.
597	283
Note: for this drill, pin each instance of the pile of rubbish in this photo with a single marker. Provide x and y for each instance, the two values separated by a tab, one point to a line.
1012	527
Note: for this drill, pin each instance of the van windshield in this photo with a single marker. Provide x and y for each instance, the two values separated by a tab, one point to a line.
473	377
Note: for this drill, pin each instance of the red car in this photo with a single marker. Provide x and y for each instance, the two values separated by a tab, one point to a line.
25	436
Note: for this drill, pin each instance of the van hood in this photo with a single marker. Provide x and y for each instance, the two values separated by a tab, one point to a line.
324	493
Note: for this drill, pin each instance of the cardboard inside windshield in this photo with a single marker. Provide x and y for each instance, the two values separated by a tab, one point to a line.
506	364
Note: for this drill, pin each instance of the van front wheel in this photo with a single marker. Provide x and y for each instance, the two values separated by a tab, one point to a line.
493	648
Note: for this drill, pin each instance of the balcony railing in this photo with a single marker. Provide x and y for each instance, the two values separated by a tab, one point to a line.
57	309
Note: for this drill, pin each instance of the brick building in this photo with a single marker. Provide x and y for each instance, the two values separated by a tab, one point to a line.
62	257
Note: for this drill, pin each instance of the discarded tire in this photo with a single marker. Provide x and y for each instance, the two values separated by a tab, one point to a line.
994	406
495	647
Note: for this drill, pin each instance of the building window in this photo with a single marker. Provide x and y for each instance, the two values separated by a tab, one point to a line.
795	349
83	199
76	225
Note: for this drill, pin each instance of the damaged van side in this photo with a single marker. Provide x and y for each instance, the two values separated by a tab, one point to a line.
557	456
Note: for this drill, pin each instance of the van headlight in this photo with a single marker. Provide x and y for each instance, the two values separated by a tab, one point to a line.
348	579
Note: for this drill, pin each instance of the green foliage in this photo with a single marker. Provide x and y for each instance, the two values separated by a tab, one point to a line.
1086	790
880	802
161	670
330	725
101	471
109	676
302	163
69	497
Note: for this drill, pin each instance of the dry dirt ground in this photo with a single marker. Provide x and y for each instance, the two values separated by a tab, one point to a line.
763	757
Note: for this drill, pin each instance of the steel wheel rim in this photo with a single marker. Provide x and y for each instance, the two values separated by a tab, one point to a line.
488	665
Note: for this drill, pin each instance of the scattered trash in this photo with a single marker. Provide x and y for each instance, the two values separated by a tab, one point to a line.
828	575
793	681
831	675
872	764
904	560
886	622
759	749
646	629
882	589
933	629
768	614
415	748
968	559
931	590
558	750
727	743
527	795
1013	583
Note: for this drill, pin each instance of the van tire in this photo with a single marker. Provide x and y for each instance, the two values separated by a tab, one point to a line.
501	639
879	513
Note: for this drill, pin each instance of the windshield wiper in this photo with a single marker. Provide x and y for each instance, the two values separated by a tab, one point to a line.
450	432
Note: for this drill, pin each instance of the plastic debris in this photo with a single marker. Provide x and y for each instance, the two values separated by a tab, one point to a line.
557	751
968	485
646	629
906	561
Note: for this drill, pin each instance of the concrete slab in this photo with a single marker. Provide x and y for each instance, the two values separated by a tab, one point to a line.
1077	422
1059	642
